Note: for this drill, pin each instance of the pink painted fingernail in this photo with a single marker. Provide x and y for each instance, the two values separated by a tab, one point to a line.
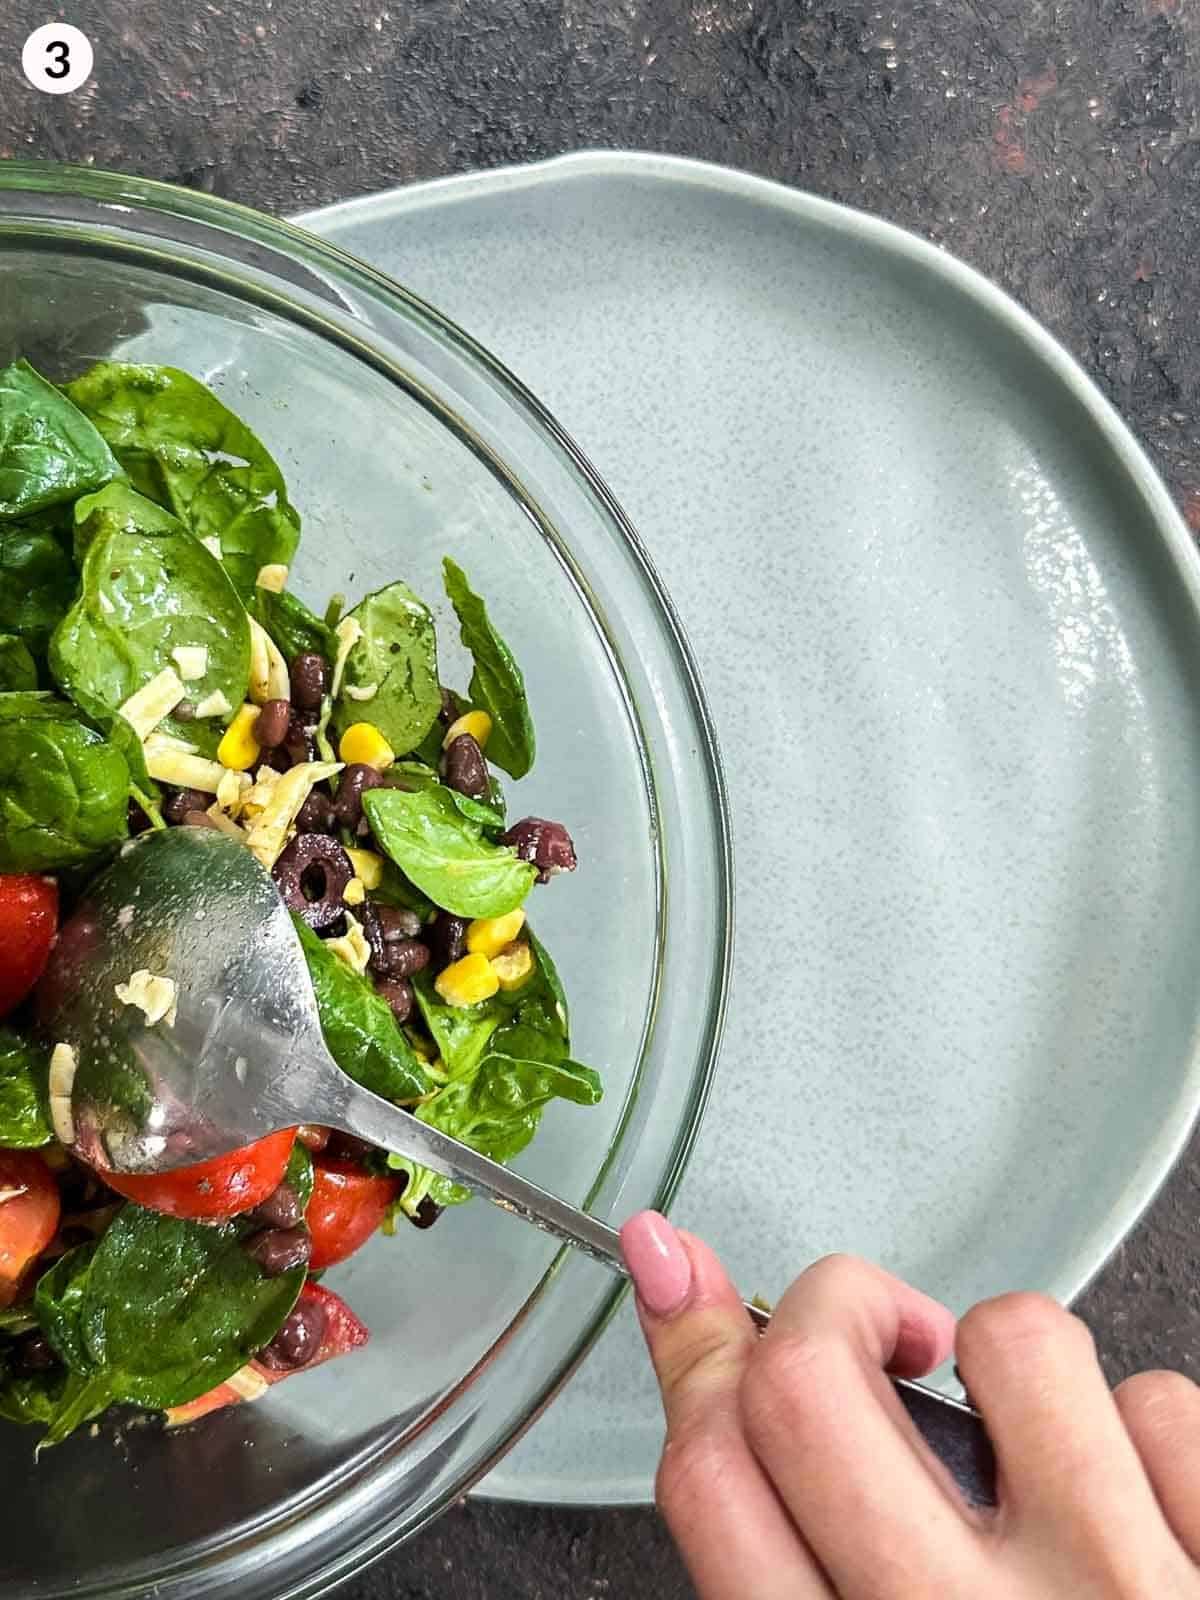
657	1262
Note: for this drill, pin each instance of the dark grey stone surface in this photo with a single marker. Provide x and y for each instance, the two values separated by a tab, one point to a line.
1054	145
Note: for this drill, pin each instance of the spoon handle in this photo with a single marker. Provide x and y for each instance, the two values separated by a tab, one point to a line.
952	1429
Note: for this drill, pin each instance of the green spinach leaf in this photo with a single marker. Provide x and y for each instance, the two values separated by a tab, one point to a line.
461	1033
293	627
145	592
35	705
38	581
158	1311
418	776
117	509
359	1027
18	670
497	684
396	657
445	855
63	792
300	1174
24	1110
49	451
538	1026
183	448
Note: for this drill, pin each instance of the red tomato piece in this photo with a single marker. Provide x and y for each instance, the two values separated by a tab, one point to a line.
28	921
29	1213
343	1333
212	1191
347	1206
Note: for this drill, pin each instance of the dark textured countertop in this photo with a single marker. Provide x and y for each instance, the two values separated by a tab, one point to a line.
1054	146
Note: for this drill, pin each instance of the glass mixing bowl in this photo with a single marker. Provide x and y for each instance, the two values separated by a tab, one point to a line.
401	439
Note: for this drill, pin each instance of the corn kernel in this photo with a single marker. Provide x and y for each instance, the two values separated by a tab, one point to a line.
487	936
467	982
238	749
354	893
477	723
513	966
367	866
363	742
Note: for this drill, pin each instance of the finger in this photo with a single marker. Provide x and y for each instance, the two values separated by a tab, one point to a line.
823	1419
722	1511
1161	1413
1066	1463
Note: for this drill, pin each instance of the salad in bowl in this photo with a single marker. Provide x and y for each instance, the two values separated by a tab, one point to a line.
156	671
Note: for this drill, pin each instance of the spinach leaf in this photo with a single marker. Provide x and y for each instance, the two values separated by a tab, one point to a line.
35	705
461	1033
292	625
18	670
117	509
538	1026
37	581
63	792
24	1111
300	1174
394	889
497	683
495	1110
445	855
183	448
49	451
147	589
397	657
359	1027
17	1319
41	1397
157	1312
418	776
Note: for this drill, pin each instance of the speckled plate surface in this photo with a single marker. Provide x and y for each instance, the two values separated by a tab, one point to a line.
947	619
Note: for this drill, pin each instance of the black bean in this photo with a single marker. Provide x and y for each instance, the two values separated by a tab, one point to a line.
310	679
312	874
347	807
399	922
281	1209
137	819
198	819
34	1353
373	933
547	844
447	936
299	1339
271	724
406	956
316	814
313	1136
398	993
427	1214
465	769
278	1250
348	1147
180	801
184	711
299	741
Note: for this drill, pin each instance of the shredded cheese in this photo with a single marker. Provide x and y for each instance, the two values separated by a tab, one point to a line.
348	632
362	691
213	545
269	831
63	1066
247	1383
226	823
214	705
352	946
231	791
192	661
274	576
166	762
269	678
154	995
147	706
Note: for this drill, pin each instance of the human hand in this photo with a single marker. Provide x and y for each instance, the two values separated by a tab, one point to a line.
792	1472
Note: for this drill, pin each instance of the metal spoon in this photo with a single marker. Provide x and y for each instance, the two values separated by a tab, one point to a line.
245	1056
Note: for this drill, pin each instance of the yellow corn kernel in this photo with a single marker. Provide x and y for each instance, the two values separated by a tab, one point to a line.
477	723
354	893
367	866
363	742
238	749
487	936
467	982
513	965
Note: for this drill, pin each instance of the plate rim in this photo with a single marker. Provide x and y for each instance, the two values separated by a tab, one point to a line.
1159	1158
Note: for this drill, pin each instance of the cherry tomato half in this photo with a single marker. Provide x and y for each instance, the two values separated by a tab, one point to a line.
28	919
212	1191
29	1212
347	1206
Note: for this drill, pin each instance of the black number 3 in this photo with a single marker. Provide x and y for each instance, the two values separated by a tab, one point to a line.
60	53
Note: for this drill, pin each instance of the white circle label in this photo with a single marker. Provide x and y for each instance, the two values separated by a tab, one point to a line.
57	58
